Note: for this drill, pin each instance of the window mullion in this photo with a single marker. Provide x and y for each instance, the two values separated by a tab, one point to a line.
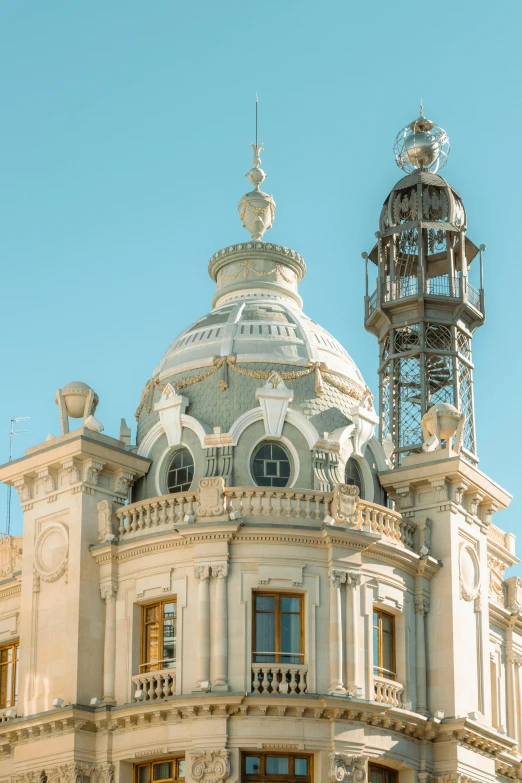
278	629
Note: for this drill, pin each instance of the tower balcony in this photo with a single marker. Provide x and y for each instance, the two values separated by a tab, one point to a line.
443	289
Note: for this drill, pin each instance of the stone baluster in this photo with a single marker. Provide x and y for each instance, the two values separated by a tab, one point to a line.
352	619
202	574
108	593
422	606
220	647
337	578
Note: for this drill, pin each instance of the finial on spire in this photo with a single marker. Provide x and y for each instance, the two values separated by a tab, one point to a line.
421	109
257	209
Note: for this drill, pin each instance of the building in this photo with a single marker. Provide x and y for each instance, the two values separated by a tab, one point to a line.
273	585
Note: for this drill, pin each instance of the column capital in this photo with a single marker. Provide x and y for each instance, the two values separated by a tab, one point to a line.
202	572
353	580
108	591
422	604
346	767
336	577
220	570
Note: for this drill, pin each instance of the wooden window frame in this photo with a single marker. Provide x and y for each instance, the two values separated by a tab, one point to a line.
143	623
380	667
393	775
15	647
262	777
151	763
278	654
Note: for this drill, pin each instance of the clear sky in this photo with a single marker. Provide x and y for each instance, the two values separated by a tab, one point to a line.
124	141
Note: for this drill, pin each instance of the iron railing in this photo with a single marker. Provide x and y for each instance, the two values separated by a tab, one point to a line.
442	285
473	296
372	304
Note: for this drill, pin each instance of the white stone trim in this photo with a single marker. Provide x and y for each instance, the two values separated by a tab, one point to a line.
296	419
201	430
243	422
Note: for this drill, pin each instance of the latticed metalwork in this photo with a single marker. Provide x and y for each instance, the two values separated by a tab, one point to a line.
423	256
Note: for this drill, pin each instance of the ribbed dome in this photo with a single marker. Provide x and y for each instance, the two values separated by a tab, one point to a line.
257	327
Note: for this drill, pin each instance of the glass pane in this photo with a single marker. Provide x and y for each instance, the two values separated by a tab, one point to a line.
265	452
143	774
3	655
181	768
276	765
290	603
387	652
3	686
387	623
301	766
284	469
271	468
265	603
278	452
150	613
259	467
291	635
279	482
252	765
376	775
169	630
162	771
180	472
265	636
151	643
9	685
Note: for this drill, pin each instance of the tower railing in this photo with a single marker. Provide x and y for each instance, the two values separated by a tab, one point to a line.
441	285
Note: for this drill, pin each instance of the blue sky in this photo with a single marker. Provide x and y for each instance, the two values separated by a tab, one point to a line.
124	142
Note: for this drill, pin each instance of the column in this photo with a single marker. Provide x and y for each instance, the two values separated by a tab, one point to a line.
422	605
352	622
108	593
220	648
510	693
202	574
518	698
336	632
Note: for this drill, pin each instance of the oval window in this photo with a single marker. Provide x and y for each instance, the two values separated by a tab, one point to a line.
353	475
180	472
271	466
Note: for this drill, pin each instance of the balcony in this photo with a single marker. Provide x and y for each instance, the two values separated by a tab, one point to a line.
279	678
438	286
154	685
388	691
166	513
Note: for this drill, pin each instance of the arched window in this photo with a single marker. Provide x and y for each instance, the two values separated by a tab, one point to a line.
353	475
271	466
180	472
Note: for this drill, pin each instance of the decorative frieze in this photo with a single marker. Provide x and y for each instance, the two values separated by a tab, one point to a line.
10	555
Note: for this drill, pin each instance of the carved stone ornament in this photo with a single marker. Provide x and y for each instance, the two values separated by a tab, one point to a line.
345	767
337	578
210	766
51	552
24	489
422	604
469	573
106	524
220	570
202	572
274	398
343	507
72	467
211	500
109	591
105	773
404	498
10	555
94	468
76	772
364	423
171	408
123	482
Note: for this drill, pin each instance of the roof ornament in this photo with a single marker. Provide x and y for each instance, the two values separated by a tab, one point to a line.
421	146
257	209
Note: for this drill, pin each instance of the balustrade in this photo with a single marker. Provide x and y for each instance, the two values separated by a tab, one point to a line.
168	511
279	678
388	691
154	685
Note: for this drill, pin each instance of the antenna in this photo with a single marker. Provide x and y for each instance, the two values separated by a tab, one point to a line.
421	109
257	102
12	432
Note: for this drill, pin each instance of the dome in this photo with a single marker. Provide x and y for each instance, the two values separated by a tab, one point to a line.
256	327
440	202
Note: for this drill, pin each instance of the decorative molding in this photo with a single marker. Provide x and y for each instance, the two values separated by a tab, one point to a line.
422	604
211	497
171	407
220	570
109	591
105	773
274	398
73	469
46	566
94	468
107	524
210	766
202	572
337	577
10	555
343	506
345	767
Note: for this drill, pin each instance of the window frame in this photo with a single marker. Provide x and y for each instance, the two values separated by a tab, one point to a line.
390	675
291	777
143	623
277	653
150	764
14	663
391	773
291	462
168	463
362	488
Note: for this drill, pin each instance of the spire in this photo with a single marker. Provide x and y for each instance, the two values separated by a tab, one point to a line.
257	209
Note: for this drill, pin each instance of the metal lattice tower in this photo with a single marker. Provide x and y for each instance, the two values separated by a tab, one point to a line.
424	310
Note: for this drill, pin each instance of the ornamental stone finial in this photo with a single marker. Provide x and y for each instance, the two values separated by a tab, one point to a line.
257	209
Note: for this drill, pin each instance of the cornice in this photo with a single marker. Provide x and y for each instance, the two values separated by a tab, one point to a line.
12	590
